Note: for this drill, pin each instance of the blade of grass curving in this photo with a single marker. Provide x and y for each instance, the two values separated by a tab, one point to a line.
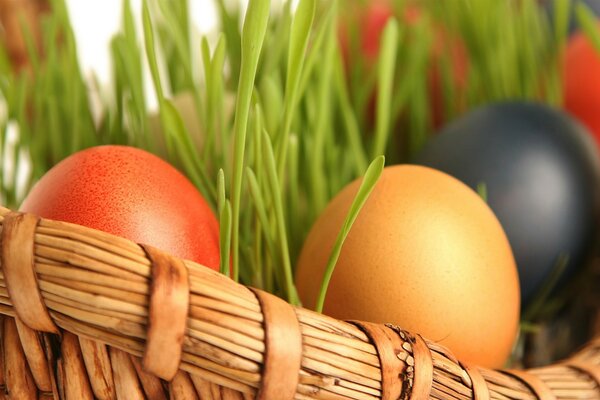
412	60
276	42
353	135
19	105
151	57
133	69
221	195
178	35
272	100
419	116
253	35
264	274
294	214
225	237
75	99
128	24
217	96
129	92
209	106
385	73
230	27
588	23
7	165
215	106
261	211
482	191
69	72
560	21
117	48
176	135
5	68
150	47
521	54
366	187
258	260
300	33
13	184
276	198
174	25
256	140
318	184
54	130
151	51
264	261
30	45
186	151
315	52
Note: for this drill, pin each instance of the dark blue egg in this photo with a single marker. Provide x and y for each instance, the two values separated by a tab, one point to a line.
541	170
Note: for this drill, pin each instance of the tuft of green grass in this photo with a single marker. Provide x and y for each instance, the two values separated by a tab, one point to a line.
253	35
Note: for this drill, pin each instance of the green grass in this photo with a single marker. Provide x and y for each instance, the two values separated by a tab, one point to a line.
285	121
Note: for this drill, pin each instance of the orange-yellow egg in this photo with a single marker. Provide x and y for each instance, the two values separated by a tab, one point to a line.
425	253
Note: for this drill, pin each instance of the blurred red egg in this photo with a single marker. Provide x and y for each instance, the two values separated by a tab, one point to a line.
581	82
369	22
372	20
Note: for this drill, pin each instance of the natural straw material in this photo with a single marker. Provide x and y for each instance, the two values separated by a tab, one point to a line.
238	343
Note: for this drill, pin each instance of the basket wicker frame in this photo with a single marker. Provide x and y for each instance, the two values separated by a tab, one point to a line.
91	315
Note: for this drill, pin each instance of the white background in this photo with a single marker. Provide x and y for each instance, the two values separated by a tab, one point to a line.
95	22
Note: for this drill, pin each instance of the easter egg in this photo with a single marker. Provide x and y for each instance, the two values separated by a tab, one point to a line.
133	194
367	20
425	253
581	82
540	169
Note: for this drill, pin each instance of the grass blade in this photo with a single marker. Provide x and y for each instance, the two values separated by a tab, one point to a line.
387	61
589	23
253	35
301	28
370	179
276	192
225	237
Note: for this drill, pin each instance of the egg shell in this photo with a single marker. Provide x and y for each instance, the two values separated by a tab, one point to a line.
133	194
581	82
425	253
540	168
371	17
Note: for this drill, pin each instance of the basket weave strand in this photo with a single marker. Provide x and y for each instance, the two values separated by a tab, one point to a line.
98	287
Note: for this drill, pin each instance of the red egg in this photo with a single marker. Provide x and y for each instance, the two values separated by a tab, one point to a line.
371	20
133	194
581	82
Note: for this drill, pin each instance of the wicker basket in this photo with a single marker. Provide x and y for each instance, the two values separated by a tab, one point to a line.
90	315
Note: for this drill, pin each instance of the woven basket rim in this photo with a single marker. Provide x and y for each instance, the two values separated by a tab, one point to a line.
120	307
